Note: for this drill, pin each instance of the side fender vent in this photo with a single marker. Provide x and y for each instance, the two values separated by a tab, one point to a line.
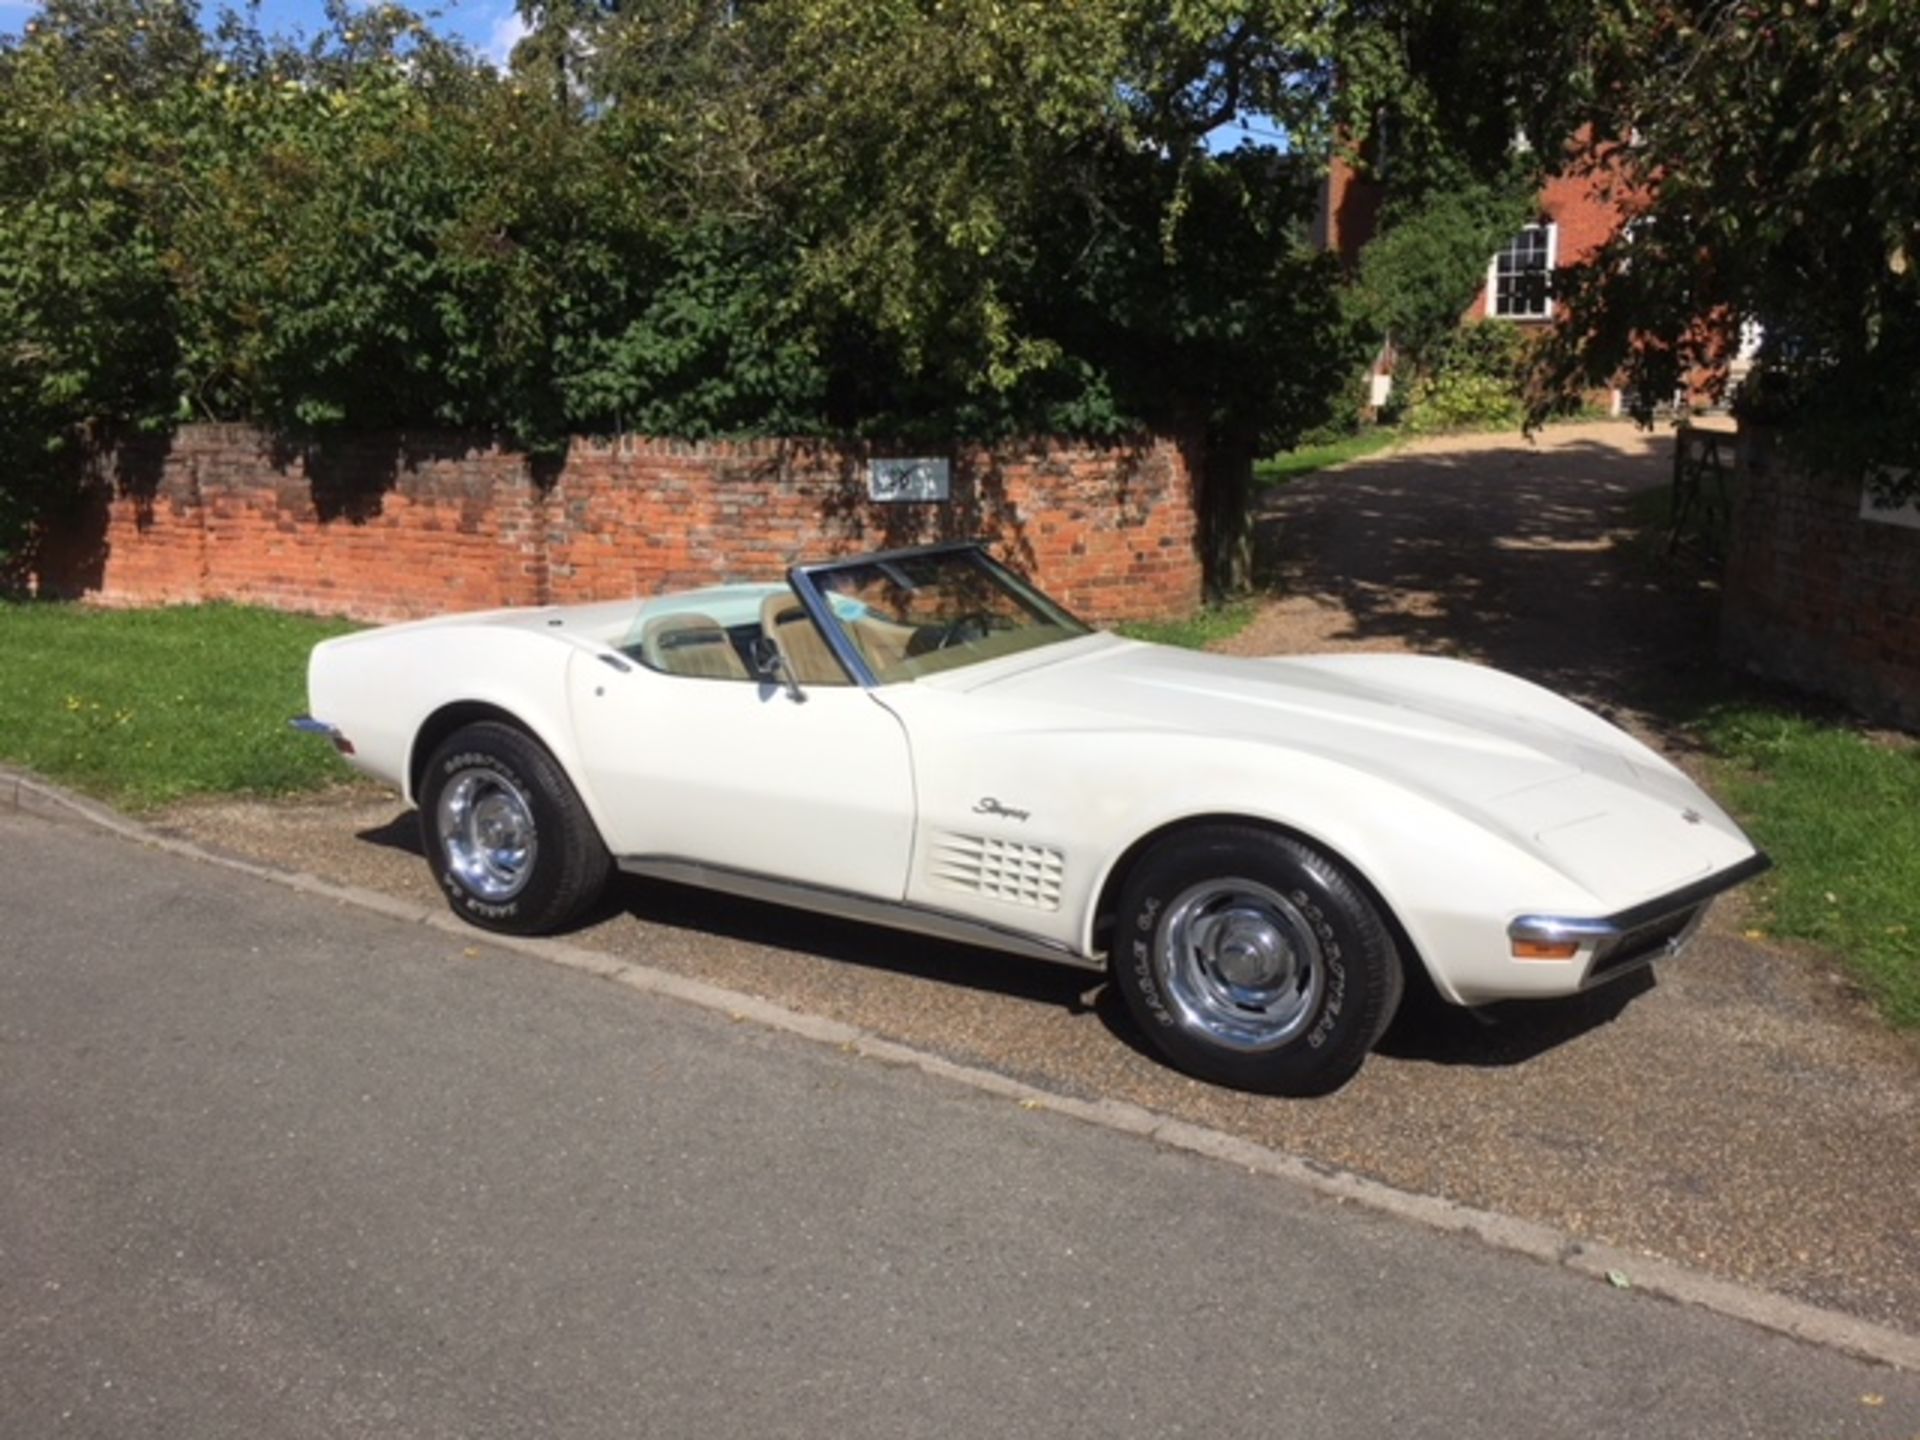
999	869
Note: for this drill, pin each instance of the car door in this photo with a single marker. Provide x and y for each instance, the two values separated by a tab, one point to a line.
739	773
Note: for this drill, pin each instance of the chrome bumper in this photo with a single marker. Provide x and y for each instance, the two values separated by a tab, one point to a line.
1629	938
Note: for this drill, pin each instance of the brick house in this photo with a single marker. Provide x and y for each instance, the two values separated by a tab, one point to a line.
1575	215
1822	583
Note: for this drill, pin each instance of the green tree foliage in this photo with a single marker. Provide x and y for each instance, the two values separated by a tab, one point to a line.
1430	259
1003	216
373	230
1473	379
961	218
1436	92
1440	95
1771	153
86	318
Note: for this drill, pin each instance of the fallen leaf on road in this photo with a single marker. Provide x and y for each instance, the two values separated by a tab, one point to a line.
1873	1401
1618	1279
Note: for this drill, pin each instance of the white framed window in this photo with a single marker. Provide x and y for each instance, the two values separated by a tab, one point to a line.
1518	274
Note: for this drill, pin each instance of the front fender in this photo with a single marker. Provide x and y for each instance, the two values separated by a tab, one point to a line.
1451	881
1037	788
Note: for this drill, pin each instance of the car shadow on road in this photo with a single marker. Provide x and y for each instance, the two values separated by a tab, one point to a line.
400	833
1426	1030
1429	1030
778	927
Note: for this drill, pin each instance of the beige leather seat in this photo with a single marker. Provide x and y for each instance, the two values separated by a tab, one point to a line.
690	645
884	644
784	621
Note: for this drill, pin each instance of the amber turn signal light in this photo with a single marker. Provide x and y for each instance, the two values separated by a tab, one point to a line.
1545	949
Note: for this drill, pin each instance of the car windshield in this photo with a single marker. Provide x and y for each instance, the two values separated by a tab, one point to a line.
915	614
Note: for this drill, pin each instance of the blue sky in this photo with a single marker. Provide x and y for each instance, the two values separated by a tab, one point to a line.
490	26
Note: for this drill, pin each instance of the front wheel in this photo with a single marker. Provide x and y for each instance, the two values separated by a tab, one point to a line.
513	847
1254	960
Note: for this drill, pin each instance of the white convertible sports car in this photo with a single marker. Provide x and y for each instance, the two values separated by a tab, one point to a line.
1256	850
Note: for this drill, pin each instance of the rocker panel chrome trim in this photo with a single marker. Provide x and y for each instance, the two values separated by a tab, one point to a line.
822	900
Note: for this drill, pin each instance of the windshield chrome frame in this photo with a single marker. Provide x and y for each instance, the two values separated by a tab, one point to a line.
801	578
815	604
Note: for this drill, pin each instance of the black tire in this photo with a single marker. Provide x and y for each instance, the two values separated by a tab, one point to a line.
511	844
1254	960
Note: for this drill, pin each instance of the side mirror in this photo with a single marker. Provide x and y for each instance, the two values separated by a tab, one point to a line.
770	665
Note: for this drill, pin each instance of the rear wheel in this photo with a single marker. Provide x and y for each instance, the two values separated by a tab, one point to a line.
513	847
1254	960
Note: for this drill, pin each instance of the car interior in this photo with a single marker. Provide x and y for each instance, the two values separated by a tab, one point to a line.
907	616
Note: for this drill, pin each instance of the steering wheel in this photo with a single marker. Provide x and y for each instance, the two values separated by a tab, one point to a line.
963	630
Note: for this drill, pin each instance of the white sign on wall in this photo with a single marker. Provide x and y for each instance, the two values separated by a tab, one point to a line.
1906	513
921	480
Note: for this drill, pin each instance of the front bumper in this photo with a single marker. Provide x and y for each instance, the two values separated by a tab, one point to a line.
1616	944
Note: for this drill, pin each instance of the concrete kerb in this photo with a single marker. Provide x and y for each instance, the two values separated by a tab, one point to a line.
1604	1263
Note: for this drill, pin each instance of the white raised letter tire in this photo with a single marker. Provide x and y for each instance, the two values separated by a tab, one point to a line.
1254	960
508	839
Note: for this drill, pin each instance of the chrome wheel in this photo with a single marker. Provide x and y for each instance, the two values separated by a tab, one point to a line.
485	824
1241	963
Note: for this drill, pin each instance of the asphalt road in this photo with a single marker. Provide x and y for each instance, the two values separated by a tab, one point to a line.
279	1167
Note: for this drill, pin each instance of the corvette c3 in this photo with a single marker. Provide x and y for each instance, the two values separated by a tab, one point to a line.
1257	852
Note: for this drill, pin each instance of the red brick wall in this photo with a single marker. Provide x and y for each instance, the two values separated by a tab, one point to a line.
1818	597
385	529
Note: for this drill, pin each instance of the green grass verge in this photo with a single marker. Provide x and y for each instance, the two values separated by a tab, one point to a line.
1196	631
142	707
1840	814
1292	464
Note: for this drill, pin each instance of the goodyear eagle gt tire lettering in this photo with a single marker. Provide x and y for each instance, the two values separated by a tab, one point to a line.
513	848
1255	960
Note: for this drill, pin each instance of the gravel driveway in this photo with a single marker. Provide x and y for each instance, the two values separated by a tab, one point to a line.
1741	1112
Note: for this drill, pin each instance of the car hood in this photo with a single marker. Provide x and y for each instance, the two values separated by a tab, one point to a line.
1555	778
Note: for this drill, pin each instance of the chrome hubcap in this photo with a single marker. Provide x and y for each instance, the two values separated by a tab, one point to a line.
1241	964
486	828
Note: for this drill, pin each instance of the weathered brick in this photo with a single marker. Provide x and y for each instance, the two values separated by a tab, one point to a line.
386	528
1818	597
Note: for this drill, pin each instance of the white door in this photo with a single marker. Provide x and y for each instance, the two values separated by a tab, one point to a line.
740	774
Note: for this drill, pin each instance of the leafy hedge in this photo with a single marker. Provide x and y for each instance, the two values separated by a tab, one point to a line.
969	221
1473	380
